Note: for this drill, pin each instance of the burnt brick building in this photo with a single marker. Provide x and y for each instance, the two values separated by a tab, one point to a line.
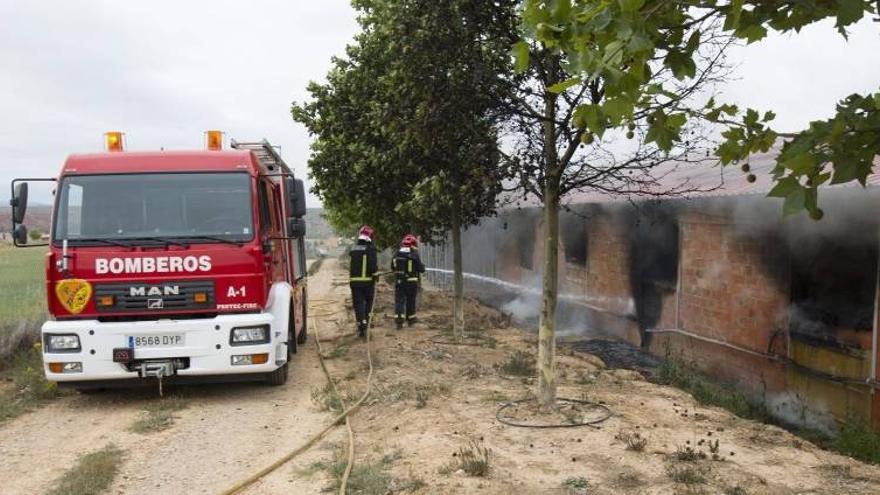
783	309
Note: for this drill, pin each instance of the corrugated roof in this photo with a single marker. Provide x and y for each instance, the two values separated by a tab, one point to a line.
699	180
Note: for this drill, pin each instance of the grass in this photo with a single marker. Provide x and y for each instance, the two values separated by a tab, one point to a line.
633	440
326	398
23	305
92	474
708	392
29	388
855	437
686	475
366	478
576	485
473	459
339	351
735	490
158	416
520	363
688	454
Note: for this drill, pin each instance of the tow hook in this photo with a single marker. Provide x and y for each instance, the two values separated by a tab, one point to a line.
159	369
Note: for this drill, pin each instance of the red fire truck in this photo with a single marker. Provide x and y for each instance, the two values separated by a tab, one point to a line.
178	265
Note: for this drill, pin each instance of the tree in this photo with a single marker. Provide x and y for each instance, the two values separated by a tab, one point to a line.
562	141
625	41
410	112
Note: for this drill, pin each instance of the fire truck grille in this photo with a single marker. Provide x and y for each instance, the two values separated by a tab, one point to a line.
155	297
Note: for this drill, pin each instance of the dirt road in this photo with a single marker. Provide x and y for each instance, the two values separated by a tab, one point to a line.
226	433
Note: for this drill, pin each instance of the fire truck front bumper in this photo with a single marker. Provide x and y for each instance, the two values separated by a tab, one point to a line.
226	347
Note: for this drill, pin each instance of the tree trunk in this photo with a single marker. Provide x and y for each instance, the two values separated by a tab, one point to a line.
458	274
547	324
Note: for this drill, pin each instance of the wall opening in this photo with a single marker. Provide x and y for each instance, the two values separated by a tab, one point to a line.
574	241
653	261
833	287
525	239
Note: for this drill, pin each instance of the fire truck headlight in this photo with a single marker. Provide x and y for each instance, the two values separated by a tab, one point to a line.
249	335
62	343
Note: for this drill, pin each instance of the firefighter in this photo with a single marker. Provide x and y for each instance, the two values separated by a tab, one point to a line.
362	278
407	268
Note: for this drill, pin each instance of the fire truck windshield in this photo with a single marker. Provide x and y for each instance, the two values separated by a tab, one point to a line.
189	207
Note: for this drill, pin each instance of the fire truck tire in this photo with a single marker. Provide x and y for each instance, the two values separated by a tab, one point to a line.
279	376
303	332
291	333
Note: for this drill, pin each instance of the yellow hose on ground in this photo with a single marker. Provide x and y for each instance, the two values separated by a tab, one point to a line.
238	487
342	405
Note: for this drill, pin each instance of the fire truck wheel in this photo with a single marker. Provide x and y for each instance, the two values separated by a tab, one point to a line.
279	376
291	333
303	333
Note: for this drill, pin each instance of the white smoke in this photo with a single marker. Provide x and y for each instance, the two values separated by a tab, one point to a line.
793	410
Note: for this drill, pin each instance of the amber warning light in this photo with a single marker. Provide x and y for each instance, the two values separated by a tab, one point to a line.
214	140
114	141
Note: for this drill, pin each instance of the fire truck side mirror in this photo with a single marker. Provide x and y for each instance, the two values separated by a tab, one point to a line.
296	228
20	235
19	201
296	194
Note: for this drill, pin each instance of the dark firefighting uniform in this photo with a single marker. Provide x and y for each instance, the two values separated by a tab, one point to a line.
362	275
407	268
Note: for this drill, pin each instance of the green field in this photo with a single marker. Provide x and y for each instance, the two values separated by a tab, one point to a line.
22	295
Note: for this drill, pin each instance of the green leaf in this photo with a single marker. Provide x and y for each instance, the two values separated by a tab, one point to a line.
845	171
595	119
795	201
849	11
769	115
733	15
752	33
682	65
801	164
618	109
784	187
520	53
676	121
693	42
562	86
877	100
631	5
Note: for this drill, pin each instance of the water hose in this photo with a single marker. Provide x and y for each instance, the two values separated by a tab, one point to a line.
238	487
591	423
350	460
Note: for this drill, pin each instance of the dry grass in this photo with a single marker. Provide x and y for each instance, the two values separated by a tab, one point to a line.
473	459
92	474
519	363
633	440
23	305
29	388
370	477
158	416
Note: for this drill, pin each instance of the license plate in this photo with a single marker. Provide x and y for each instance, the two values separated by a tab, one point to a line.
155	340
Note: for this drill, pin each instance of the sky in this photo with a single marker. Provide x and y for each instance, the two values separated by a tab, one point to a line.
165	71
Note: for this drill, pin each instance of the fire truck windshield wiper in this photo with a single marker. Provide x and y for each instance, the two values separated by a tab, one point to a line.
212	238
165	240
97	239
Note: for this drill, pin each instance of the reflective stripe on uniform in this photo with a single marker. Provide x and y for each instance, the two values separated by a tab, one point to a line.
363	277
413	279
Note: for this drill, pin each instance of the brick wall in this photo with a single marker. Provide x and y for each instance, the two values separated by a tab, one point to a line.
733	284
607	277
